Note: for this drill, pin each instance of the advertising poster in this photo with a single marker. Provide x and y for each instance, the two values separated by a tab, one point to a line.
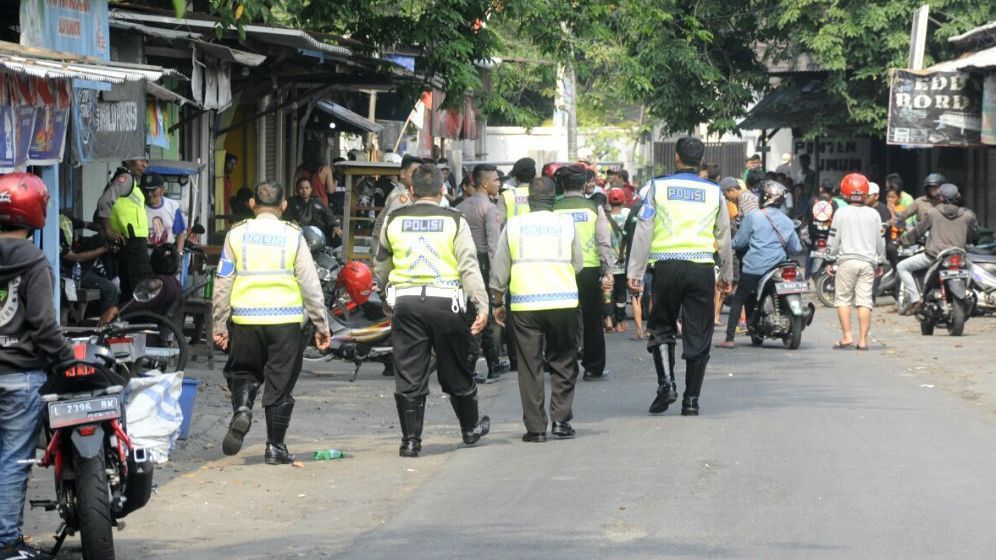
935	109
76	26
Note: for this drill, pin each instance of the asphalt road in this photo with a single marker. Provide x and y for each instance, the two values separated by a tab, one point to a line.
816	453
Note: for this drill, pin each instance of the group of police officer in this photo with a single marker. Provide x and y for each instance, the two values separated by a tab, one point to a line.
553	262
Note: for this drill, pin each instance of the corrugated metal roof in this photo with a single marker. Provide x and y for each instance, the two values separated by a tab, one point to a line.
39	62
349	117
974	34
159	92
980	60
222	52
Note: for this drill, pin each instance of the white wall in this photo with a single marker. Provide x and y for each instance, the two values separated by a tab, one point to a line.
546	144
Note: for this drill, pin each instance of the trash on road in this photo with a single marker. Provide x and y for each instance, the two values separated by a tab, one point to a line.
328	454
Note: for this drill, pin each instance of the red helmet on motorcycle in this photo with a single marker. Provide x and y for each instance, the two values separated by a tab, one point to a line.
356	279
854	187
23	200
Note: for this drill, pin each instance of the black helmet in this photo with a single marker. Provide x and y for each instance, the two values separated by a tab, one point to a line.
314	238
165	259
772	194
934	179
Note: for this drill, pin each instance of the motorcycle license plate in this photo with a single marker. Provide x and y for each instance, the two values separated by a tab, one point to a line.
818	254
949	274
84	411
782	288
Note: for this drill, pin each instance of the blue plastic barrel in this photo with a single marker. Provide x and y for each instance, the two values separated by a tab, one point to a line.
188	395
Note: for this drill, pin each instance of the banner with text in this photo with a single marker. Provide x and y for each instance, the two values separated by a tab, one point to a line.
75	26
109	126
832	158
934	109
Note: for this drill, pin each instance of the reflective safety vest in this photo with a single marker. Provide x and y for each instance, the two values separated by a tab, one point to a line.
265	291
685	211
516	201
422	238
130	210
540	244
585	213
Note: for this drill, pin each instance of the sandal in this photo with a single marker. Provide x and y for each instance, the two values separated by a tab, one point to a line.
841	345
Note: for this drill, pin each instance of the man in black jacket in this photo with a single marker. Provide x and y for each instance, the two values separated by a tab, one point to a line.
30	341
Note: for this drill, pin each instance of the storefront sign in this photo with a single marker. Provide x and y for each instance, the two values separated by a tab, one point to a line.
76	26
935	109
109	126
989	109
832	158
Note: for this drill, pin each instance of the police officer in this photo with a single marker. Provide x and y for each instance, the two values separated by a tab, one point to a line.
680	225
539	255
122	220
266	280
592	229
426	259
399	197
514	199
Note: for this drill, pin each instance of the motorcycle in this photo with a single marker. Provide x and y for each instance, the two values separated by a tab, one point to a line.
983	269
823	283
100	476
361	332
947	299
780	312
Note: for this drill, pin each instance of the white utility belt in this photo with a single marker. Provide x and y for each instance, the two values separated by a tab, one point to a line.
455	295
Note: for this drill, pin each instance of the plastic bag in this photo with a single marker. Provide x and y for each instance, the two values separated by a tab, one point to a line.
153	414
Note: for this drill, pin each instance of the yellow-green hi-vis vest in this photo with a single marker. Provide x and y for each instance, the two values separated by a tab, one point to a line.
585	214
685	209
265	291
516	201
130	211
540	244
422	239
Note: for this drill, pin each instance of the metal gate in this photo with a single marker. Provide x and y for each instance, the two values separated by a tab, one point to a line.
729	155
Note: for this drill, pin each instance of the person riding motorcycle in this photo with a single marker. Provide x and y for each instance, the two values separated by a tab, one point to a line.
923	204
950	226
769	237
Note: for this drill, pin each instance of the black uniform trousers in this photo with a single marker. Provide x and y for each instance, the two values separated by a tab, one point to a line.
744	298
559	329
685	288
421	325
592	336
133	265
267	354
484	342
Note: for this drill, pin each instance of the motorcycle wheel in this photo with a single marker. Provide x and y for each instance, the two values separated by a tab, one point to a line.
169	336
94	511
311	352
794	338
824	289
959	314
926	327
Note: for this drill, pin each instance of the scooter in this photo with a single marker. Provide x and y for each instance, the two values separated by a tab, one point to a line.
100	476
360	333
947	298
983	269
780	312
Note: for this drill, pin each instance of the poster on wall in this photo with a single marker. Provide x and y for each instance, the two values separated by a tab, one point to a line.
988	135
48	137
76	26
832	158
934	109
109	126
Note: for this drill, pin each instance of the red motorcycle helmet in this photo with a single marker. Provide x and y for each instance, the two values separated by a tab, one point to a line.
357	280
23	200
617	196
854	187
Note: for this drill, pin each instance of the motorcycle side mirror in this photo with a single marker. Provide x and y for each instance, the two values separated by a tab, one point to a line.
148	289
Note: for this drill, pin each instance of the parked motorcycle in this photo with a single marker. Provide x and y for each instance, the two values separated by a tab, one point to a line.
361	331
983	269
947	297
823	281
100	476
780	312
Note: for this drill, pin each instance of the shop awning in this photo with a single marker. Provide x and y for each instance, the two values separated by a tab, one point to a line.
159	92
220	52
976	61
348	118
44	63
792	104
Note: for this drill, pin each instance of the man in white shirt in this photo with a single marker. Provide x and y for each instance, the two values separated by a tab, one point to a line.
166	221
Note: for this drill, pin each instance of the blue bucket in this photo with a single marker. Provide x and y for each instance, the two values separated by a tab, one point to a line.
187	398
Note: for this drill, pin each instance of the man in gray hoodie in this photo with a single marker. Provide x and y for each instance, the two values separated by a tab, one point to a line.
949	225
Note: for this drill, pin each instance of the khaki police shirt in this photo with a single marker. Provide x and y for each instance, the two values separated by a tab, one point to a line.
399	197
304	270
119	186
466	257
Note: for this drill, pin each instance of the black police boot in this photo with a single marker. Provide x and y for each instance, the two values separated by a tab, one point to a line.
472	425
278	419
411	412
667	393
690	406
243	395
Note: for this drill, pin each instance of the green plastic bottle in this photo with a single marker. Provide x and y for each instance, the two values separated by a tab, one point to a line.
328	455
